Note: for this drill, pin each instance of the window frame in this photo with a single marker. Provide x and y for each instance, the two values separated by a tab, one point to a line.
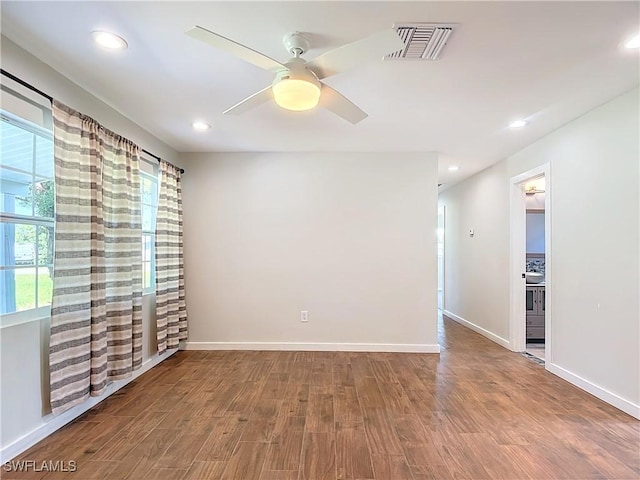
147	290
38	312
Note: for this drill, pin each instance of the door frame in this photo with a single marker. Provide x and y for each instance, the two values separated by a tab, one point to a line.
517	247
441	270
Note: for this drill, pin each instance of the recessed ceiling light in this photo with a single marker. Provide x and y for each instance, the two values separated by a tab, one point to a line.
109	40
518	124
200	126
633	42
454	168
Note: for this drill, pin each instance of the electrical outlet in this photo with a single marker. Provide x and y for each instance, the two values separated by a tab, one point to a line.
304	316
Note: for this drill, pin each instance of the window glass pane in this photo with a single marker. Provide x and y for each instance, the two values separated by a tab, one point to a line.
146	282
149	190
154	191
148	218
16	148
44	157
25	288
45	245
149	197
15	188
45	285
8	251
7	291
43	198
24	252
146	248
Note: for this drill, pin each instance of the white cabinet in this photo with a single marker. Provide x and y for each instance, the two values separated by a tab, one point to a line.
535	306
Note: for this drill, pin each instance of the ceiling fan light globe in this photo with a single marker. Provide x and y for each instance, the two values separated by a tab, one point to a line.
296	94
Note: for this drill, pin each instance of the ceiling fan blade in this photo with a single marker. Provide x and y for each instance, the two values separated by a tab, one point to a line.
253	101
234	48
350	55
335	102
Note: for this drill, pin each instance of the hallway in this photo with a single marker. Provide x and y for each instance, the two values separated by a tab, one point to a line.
477	411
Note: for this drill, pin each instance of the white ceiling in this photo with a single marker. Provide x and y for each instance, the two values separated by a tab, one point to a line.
548	62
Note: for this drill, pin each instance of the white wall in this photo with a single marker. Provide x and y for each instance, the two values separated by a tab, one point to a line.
477	267
24	391
349	237
595	243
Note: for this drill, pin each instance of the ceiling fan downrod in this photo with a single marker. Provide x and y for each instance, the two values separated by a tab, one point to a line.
296	43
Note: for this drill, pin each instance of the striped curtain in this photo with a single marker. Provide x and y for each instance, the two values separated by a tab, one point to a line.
171	310
96	312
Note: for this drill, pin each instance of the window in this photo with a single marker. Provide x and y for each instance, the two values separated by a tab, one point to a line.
26	213
149	195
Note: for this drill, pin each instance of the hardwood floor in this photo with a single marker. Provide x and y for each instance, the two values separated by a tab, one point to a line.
477	411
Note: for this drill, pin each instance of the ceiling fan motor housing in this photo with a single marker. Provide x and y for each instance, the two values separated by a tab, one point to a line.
296	87
296	70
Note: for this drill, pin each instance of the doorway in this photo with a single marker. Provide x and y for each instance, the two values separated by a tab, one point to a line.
535	253
530	212
440	243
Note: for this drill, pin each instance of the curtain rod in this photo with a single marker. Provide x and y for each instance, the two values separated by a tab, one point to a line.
158	159
50	98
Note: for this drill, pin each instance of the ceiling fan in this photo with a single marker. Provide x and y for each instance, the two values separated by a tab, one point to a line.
297	85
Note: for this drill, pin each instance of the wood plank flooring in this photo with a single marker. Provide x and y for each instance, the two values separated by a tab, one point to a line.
477	411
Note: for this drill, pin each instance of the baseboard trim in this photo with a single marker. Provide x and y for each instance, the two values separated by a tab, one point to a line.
603	394
321	347
55	423
485	333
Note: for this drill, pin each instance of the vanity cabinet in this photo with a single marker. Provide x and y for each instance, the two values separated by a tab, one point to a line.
535	307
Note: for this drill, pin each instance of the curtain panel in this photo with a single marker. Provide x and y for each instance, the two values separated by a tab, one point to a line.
171	310
96	311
